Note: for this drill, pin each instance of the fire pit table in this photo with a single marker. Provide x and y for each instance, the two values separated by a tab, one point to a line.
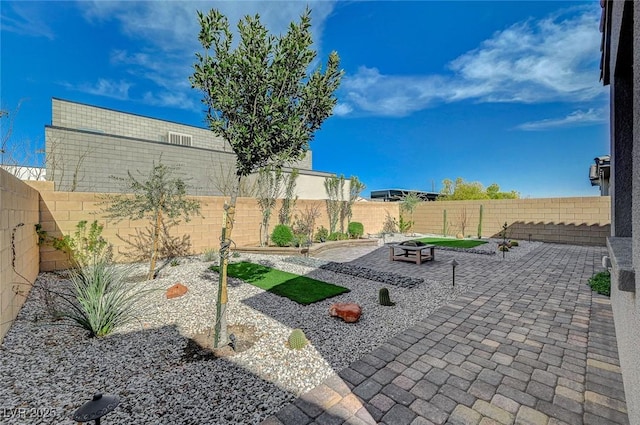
413	253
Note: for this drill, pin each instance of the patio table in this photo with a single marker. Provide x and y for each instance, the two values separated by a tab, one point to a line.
413	254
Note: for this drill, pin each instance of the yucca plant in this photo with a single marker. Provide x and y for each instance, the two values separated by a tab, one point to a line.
101	299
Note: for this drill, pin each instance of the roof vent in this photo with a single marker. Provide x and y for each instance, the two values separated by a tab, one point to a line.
179	139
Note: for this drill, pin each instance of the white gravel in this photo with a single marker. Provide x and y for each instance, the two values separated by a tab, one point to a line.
50	369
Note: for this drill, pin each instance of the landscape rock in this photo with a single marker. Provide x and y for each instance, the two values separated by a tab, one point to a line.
176	291
349	312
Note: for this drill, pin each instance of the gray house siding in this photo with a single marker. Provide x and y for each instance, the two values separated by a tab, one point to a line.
86	145
621	69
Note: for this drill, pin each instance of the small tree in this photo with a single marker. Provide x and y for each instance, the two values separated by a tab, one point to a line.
408	204
268	188
161	199
355	189
290	198
261	100
334	186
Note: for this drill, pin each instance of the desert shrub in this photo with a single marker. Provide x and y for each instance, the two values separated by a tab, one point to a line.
282	235
209	254
513	243
390	224
322	234
85	246
337	236
355	229
101	299
299	239
601	283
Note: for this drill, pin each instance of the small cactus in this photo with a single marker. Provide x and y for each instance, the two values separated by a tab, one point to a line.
444	223
297	339
384	298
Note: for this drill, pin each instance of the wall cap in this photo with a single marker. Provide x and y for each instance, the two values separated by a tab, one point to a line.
620	253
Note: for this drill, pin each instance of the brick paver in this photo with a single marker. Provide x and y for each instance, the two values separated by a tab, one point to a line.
527	343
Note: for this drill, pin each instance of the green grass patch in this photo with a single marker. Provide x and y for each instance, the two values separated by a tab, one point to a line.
452	243
601	283
301	289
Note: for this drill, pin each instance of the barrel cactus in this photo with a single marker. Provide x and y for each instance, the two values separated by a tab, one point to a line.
384	297
297	339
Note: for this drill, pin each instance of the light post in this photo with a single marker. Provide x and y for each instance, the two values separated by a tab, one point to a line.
454	263
96	408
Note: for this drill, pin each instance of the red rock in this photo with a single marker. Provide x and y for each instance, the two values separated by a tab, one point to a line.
349	312
176	291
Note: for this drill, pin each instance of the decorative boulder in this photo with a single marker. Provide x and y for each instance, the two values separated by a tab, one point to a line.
459	236
176	291
349	312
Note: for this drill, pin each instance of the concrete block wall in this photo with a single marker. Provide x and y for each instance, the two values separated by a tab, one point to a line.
579	220
18	217
60	212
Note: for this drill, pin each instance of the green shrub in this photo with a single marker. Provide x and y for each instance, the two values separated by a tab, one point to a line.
513	243
355	229
282	235
101	298
337	236
175	262
601	283
85	246
322	234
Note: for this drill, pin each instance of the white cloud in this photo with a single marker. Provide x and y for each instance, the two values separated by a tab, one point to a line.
103	87
553	59
169	31
175	99
574	119
25	19
342	109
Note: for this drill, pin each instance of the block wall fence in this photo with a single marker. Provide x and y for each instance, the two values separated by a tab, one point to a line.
577	221
60	212
18	259
24	204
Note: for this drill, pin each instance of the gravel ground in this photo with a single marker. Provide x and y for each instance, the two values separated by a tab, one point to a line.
50	369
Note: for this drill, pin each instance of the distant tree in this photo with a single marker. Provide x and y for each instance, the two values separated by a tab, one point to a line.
494	193
161	198
262	101
462	191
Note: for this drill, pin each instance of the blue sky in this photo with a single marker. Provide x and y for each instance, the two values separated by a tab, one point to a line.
491	91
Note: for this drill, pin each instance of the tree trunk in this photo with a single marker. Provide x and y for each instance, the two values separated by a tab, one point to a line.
154	249
221	339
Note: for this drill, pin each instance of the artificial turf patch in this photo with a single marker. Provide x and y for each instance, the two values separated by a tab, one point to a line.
452	243
301	289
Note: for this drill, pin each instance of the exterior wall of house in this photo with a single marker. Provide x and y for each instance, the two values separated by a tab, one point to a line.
18	246
624	244
85	145
578	221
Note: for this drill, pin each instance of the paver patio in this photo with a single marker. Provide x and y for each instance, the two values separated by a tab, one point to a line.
529	343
